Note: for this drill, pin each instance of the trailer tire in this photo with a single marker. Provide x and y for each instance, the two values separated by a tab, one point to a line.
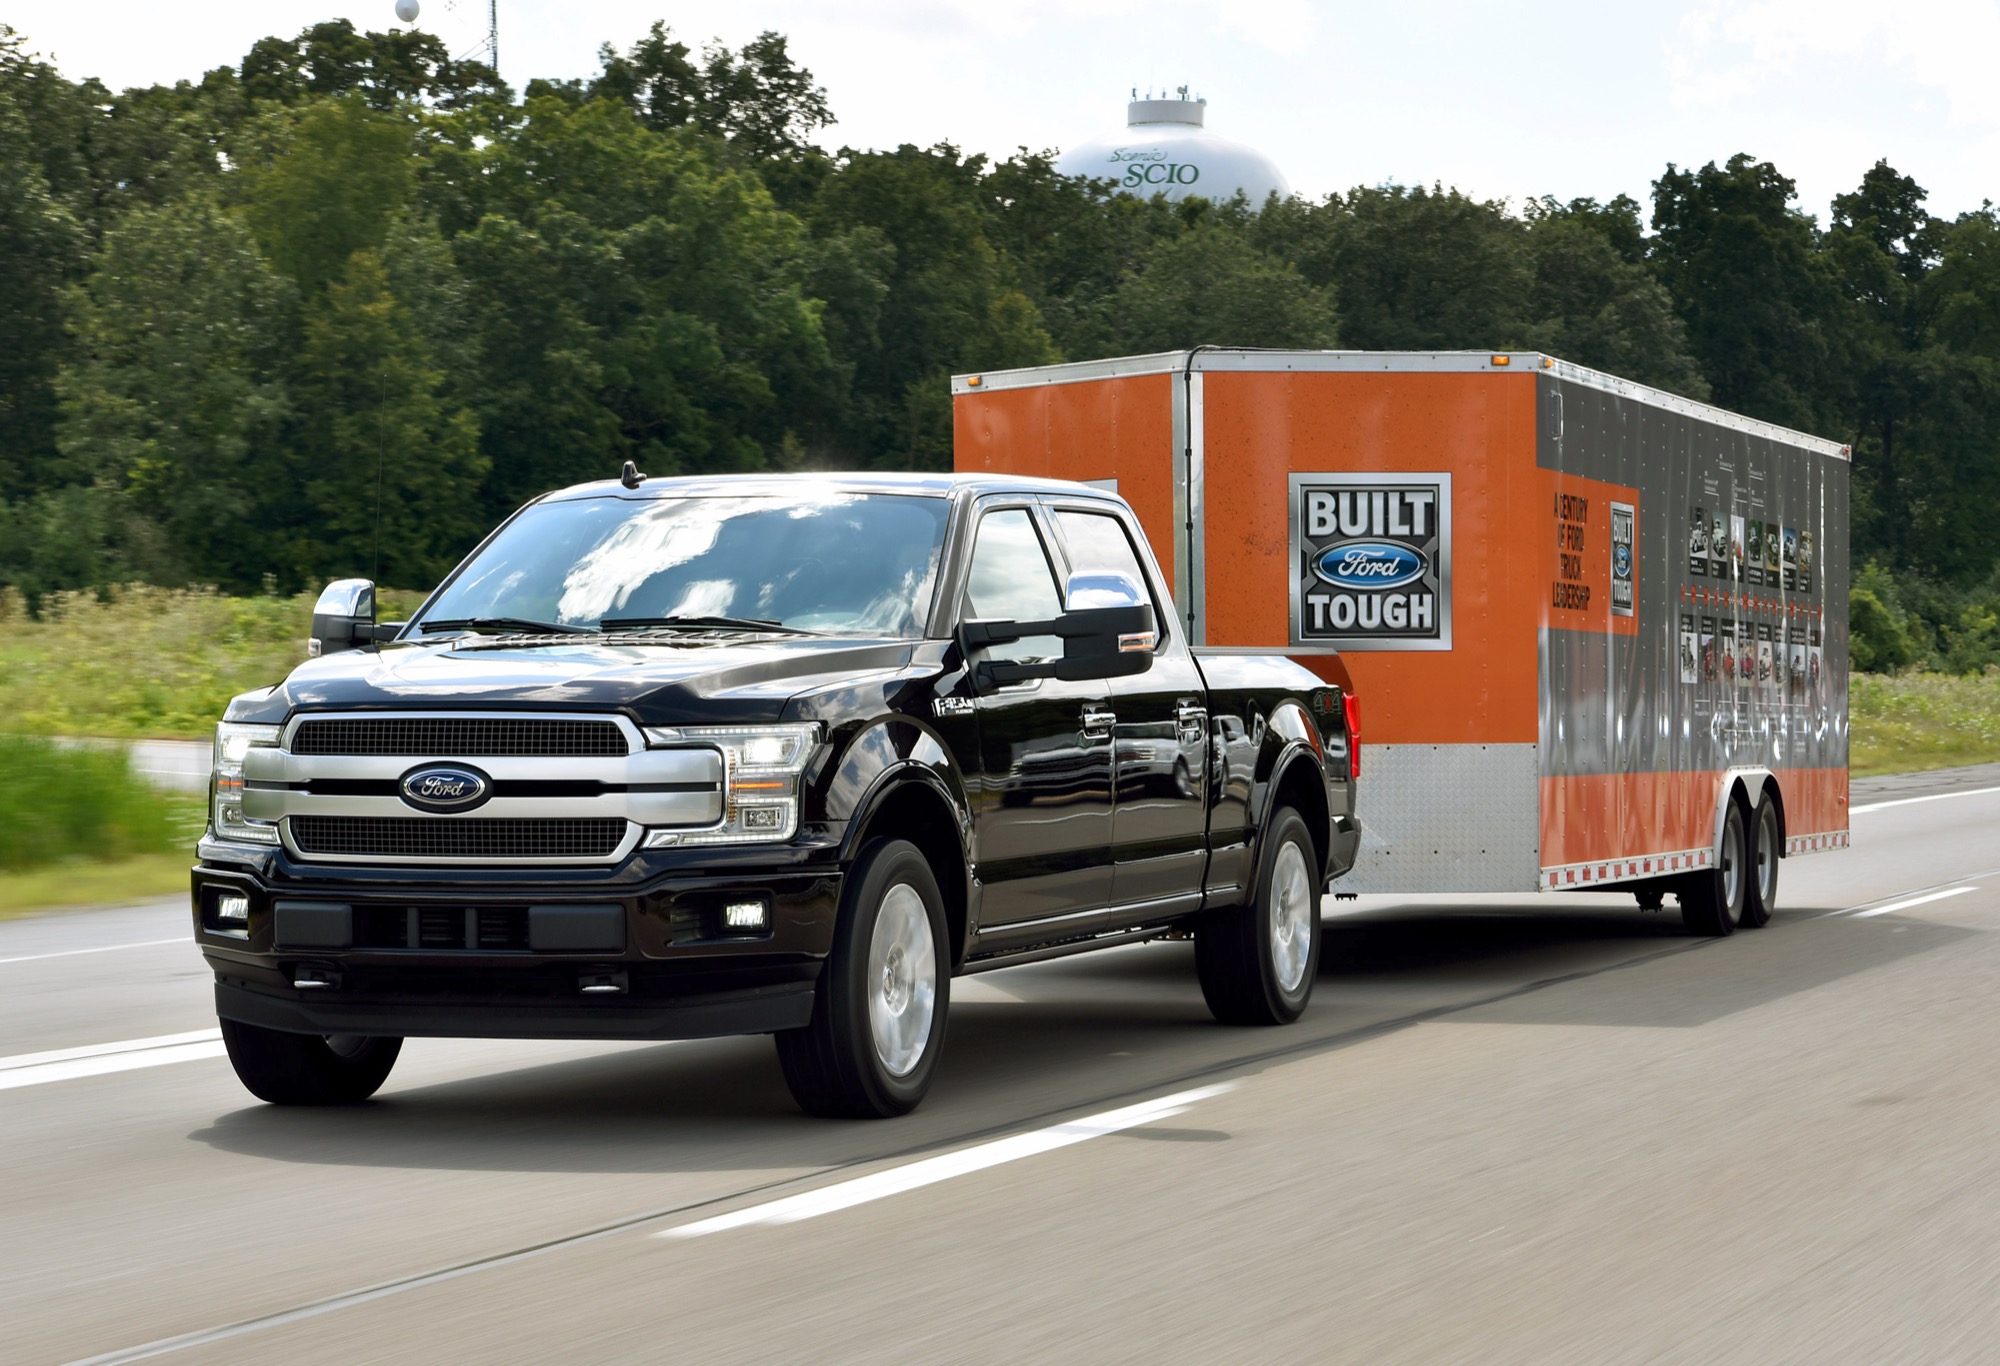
878	1017
1760	896
1253	968
1712	900
308	1069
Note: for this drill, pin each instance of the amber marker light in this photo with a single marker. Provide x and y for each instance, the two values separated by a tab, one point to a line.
973	382
1503	360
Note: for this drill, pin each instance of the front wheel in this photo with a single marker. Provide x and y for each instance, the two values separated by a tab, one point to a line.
878	1019
1257	961
308	1069
1712	899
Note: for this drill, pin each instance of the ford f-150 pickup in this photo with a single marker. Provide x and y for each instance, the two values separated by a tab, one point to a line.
673	758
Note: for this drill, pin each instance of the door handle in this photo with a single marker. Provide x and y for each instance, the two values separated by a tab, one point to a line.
1192	722
1097	724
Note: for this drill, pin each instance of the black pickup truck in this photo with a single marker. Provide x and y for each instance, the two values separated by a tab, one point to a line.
673	758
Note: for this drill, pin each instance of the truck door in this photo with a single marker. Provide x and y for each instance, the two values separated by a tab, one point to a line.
1159	817
1043	814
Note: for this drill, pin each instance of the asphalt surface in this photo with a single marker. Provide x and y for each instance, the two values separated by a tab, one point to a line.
1509	1129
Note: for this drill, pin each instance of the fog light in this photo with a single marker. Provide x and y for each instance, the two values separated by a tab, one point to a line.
746	915
229	915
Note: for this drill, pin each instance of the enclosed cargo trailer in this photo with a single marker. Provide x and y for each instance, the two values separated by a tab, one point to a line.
1587	620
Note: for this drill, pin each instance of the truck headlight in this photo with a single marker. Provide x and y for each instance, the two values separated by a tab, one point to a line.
225	806
761	768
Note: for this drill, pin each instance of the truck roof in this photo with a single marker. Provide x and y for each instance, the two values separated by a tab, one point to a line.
939	485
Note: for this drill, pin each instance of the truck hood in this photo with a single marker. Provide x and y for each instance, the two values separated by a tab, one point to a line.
732	683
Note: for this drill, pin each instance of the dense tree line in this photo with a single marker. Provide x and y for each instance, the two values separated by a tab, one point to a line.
337	308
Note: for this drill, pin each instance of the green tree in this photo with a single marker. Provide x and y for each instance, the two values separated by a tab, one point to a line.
391	471
332	59
1594	302
950	302
1210	285
637	297
1759	301
1418	269
326	183
41	244
176	399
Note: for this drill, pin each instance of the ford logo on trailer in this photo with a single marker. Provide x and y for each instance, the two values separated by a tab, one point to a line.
445	789
1370	565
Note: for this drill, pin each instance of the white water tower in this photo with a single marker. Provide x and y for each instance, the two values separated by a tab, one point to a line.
1166	148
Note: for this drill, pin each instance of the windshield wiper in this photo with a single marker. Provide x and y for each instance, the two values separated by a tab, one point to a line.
505	625
727	623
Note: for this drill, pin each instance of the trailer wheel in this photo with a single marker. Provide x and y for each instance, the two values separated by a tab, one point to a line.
1257	961
1766	845
308	1069
1712	900
878	1018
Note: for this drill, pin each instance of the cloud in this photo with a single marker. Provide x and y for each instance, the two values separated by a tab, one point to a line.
1722	53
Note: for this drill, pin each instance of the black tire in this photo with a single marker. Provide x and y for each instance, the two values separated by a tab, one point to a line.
835	1066
1712	900
308	1069
1247	955
1767	846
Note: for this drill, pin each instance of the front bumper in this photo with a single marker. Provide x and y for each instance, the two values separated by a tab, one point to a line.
512	954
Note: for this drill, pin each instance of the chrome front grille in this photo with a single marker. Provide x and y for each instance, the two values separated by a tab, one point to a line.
461	737
456	838
564	789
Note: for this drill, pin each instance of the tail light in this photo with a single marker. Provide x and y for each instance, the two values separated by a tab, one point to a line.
1353	706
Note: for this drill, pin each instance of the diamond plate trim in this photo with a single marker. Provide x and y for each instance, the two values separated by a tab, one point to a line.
1448	818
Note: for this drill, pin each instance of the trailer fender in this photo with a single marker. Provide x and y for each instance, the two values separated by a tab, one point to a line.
1750	784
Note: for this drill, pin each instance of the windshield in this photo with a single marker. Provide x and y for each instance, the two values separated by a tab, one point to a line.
821	561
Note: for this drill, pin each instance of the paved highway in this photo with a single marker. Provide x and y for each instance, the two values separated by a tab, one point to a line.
1509	1129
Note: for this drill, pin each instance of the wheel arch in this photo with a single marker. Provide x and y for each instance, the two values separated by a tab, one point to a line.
1747	786
910	802
1299	782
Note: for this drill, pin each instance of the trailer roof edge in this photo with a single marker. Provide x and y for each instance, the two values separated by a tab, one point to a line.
1242	359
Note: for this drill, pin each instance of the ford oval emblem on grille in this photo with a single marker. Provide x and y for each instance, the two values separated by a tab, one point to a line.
1370	564
445	788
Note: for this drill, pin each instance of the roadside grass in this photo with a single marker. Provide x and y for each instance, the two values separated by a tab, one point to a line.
1905	723
81	882
79	827
148	663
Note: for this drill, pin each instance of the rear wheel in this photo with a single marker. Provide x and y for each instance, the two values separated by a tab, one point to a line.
308	1069
1712	900
1257	961
1766	845
878	1019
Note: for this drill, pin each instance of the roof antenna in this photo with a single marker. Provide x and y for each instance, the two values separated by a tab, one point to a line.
630	476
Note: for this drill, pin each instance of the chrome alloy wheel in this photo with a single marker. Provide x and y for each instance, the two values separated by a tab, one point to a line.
1767	855
902	980
1732	868
1294	917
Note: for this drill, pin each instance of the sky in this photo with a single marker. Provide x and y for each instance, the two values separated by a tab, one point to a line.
1504	101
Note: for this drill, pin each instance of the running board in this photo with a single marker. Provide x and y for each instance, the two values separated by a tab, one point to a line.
996	961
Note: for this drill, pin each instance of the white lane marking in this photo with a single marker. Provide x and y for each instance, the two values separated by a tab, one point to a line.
1913	901
101	1059
1910	801
101	948
862	1189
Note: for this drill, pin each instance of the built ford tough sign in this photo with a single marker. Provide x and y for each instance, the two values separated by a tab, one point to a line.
674	758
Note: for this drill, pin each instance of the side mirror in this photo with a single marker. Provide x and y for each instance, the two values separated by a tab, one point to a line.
343	618
1107	629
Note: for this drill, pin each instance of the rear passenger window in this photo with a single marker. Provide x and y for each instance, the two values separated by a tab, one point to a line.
1098	543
